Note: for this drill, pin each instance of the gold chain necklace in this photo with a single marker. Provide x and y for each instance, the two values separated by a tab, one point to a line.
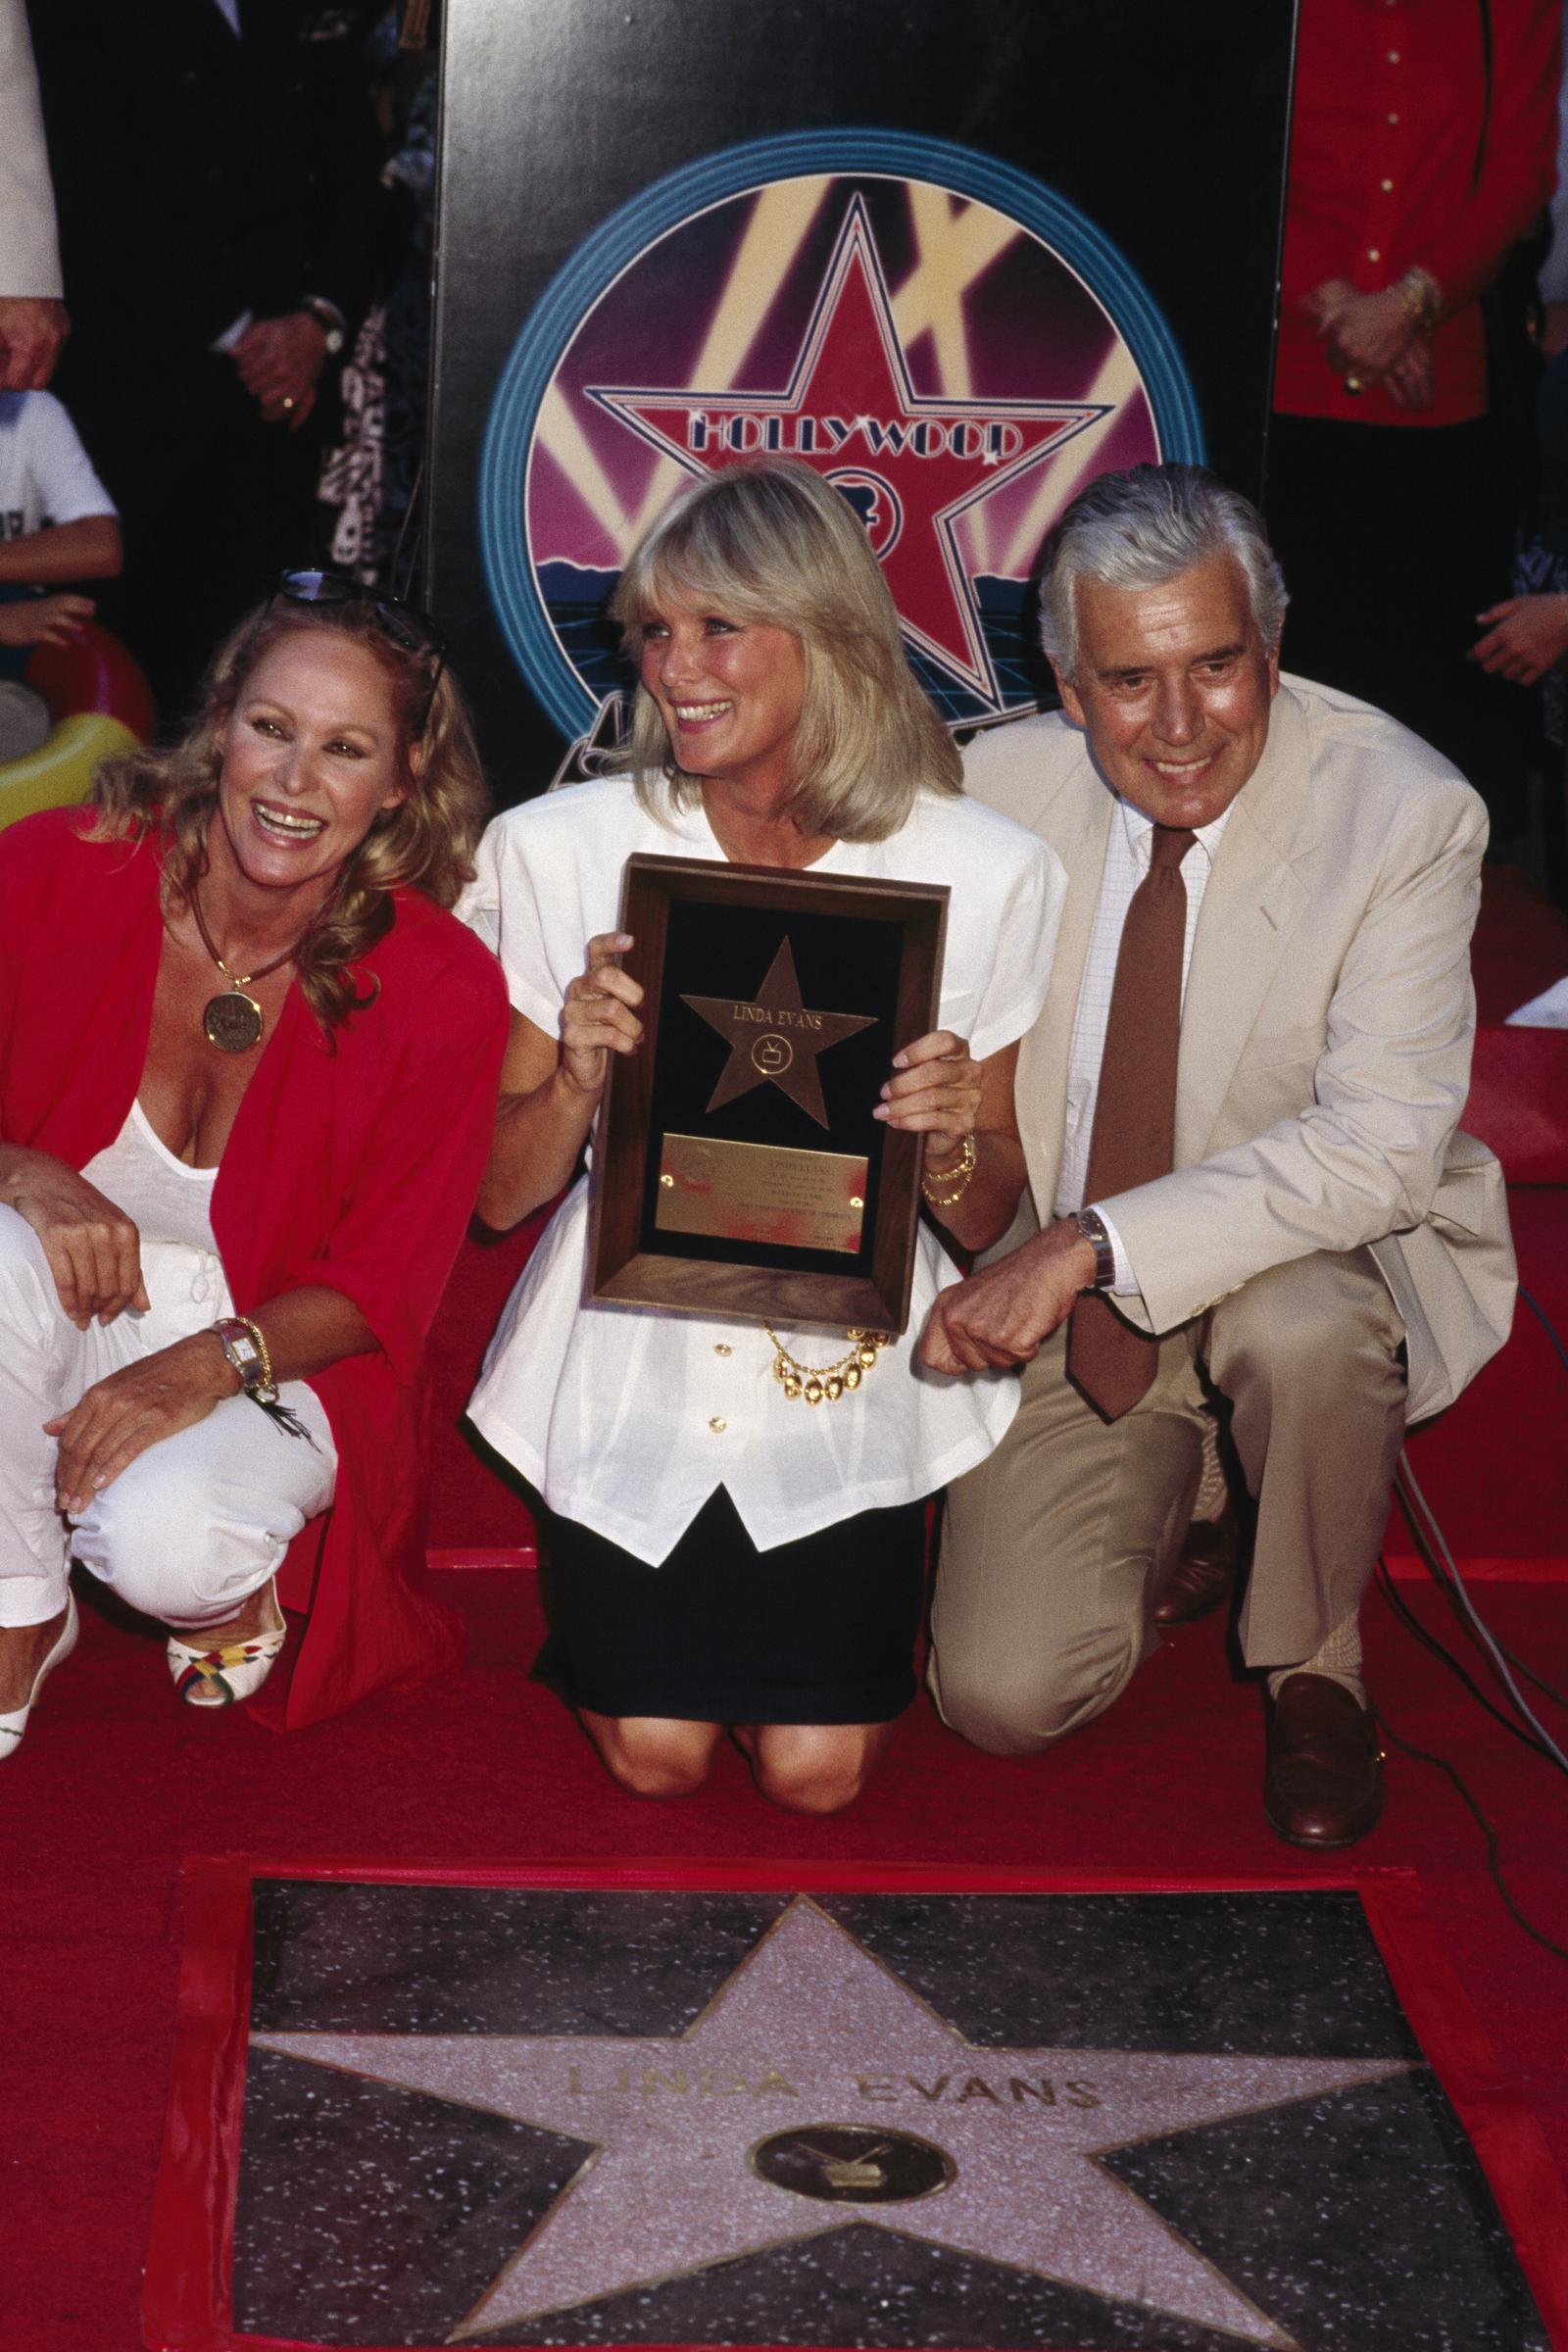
820	1383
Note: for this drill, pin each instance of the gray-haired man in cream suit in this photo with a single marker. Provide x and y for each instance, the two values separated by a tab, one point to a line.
1326	1252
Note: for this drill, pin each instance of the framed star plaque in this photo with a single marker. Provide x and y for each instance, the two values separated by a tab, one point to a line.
741	1172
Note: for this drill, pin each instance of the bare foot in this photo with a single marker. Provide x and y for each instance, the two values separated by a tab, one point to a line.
259	1615
23	1651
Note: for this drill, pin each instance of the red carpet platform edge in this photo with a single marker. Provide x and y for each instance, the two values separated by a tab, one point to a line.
186	2305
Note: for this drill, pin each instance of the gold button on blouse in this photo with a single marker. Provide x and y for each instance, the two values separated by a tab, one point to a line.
722	1347
719	1425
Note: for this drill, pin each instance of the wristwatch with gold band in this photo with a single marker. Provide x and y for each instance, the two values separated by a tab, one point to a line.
240	1346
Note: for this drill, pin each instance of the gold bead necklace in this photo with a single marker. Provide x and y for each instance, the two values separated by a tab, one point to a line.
822	1384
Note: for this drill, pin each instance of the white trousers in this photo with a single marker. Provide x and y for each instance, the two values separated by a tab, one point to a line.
196	1523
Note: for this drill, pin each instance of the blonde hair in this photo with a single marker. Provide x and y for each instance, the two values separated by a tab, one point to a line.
424	843
772	542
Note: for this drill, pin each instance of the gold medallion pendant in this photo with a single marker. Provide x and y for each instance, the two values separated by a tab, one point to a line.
232	1021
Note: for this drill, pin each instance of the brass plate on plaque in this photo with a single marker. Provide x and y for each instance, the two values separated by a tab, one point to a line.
761	1193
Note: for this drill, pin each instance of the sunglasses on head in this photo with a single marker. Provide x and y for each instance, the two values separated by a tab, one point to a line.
403	623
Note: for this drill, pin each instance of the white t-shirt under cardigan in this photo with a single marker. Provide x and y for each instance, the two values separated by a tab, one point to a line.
628	1419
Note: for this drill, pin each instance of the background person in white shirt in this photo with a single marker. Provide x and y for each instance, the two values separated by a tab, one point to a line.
723	1555
1326	1252
58	526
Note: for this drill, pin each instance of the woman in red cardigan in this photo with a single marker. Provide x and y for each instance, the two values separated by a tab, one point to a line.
248	1069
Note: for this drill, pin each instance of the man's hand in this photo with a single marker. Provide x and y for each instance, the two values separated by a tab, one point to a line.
279	360
999	1317
121	1416
33	327
44	619
1528	636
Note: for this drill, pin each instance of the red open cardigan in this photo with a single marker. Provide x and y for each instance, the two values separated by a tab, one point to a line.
353	1163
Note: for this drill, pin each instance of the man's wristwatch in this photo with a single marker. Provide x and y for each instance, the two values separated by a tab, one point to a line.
1091	1225
242	1343
330	318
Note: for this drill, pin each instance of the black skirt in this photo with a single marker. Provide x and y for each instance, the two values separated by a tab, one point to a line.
819	1631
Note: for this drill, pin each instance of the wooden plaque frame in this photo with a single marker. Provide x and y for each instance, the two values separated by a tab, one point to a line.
872	1291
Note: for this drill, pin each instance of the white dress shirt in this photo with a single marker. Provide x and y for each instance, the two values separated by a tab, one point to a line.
1127	855
628	1418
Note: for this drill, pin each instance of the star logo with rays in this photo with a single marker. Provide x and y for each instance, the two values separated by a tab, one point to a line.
778	2116
913	466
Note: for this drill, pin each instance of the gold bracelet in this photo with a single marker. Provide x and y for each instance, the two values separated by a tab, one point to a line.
959	1178
1421	295
820	1383
256	1332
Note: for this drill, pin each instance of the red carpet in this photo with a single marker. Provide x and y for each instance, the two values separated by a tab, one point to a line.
114	1785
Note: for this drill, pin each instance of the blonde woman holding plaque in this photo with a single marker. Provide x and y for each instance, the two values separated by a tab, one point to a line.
724	1555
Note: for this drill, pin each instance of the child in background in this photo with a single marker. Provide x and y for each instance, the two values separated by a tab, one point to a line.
57	524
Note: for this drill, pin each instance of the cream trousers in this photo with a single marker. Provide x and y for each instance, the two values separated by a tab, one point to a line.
1055	1549
194	1524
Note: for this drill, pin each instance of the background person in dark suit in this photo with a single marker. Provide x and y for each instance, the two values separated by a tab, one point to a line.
214	166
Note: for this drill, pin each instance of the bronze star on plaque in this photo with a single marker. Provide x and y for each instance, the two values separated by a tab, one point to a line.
773	1039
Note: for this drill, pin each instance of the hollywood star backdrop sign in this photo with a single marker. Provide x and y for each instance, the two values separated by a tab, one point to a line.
957	257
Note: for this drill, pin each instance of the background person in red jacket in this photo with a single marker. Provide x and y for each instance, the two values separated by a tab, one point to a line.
248	1069
1422	152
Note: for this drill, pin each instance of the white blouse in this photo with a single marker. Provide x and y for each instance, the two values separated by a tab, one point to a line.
170	1205
628	1418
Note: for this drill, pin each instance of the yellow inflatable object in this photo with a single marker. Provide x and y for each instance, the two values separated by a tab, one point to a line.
60	772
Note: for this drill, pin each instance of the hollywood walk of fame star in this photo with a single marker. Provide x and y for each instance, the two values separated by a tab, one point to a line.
850	411
773	1039
812	2041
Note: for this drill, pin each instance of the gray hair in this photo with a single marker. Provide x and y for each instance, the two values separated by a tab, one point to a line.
1139	530
775	542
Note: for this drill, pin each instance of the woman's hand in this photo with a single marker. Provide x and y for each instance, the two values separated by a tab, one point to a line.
598	1017
93	1249
1369	334
935	1092
119	1417
1408	382
1528	636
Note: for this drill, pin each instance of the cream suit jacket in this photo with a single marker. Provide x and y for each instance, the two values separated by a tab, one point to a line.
29	257
1326	1029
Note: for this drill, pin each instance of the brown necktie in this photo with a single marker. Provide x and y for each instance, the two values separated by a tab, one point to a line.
1134	1134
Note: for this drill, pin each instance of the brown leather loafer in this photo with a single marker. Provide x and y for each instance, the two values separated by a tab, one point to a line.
1324	1783
1204	1571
